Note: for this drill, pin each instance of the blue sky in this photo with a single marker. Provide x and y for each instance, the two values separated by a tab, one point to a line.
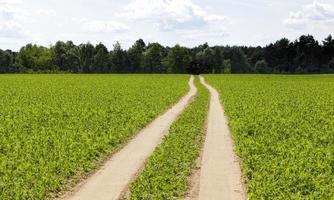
186	22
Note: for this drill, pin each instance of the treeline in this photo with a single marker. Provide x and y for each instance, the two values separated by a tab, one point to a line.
305	55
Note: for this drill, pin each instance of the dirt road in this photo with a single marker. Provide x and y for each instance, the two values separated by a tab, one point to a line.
220	177
113	178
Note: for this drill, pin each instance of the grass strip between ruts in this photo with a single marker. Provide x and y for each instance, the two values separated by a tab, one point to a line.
168	168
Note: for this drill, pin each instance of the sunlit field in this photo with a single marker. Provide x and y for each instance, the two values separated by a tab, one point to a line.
55	128
283	130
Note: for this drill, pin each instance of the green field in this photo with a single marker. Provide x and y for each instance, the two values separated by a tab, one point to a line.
283	128
168	168
55	128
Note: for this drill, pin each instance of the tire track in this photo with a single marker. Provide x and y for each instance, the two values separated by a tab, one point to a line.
109	182
221	176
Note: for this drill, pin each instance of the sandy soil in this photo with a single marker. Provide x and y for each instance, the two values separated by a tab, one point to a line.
221	177
112	180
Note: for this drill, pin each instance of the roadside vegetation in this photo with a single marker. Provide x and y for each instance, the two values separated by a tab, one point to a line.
283	130
169	167
56	128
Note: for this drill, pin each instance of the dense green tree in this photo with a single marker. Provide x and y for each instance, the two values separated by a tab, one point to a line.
86	57
308	53
60	51
328	49
208	60
227	66
331	65
153	58
305	55
203	46
261	67
66	56
217	60
101	59
118	58
280	56
136	56
254	55
239	61
178	60
6	61
199	60
36	58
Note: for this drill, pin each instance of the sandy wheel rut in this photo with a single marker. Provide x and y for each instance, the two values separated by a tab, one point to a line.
220	176
113	178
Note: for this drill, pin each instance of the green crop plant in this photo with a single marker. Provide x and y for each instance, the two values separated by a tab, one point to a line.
283	127
54	129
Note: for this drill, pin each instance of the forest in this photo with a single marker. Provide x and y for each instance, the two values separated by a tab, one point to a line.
302	56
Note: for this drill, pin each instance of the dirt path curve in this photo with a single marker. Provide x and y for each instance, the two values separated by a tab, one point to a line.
113	178
220	177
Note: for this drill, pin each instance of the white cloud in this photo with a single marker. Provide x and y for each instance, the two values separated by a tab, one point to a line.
10	1
319	11
12	30
170	14
188	22
11	17
296	20
315	14
15	20
9	11
46	12
99	26
78	19
203	34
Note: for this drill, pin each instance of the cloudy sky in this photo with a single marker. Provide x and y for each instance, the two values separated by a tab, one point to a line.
186	22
